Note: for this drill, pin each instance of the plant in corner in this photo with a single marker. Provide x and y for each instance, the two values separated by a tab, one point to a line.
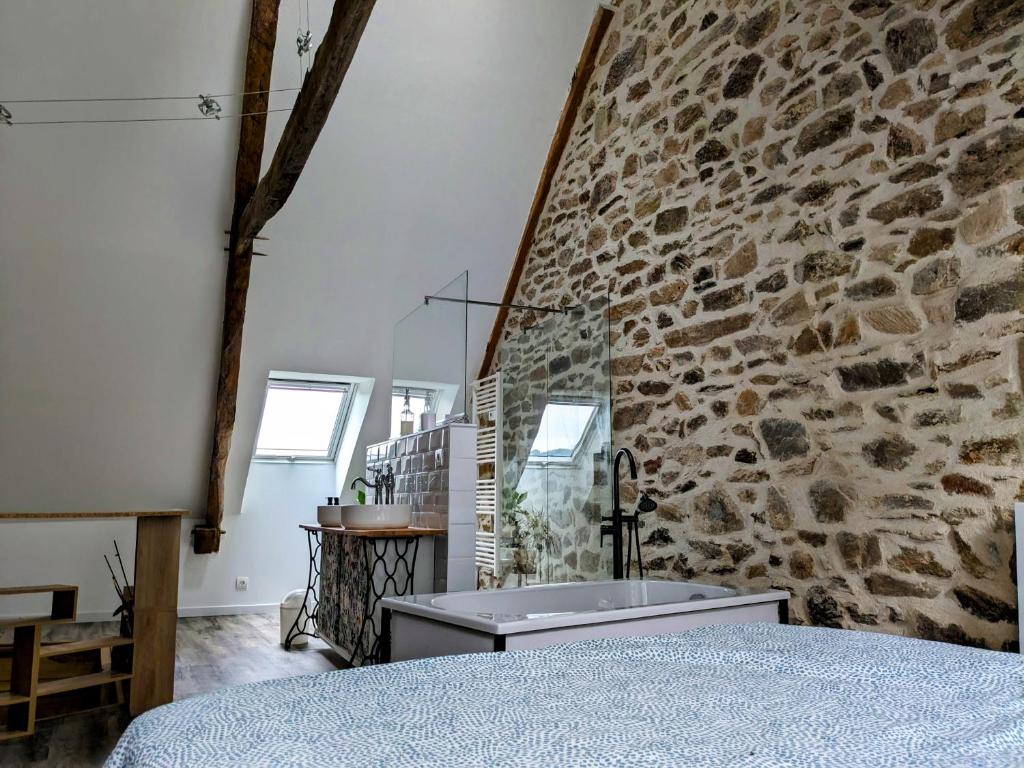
524	531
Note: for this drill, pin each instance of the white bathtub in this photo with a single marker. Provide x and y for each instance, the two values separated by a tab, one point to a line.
533	617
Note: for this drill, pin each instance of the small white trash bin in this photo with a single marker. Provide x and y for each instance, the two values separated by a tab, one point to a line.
290	607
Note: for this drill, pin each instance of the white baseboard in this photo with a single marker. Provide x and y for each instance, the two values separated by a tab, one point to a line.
225	610
83	616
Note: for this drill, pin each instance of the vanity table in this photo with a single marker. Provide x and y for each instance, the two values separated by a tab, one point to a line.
378	563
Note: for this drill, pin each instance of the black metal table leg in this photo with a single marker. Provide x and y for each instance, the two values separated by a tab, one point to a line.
302	621
397	581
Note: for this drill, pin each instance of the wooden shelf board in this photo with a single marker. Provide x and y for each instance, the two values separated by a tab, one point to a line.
6	735
89	644
42	588
36	516
21	621
81	681
7	698
61	715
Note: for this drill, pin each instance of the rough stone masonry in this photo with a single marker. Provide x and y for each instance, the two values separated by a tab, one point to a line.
810	217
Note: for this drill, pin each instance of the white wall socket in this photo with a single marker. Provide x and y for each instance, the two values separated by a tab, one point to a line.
241	583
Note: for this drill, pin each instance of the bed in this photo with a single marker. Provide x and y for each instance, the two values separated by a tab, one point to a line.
740	695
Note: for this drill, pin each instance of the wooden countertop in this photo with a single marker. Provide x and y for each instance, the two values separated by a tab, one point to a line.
380	533
29	516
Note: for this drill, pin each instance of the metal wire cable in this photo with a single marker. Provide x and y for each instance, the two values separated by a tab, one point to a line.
141	98
144	119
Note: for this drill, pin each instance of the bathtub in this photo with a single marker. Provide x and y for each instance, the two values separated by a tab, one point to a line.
422	626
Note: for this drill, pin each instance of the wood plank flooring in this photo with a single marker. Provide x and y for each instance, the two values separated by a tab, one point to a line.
212	652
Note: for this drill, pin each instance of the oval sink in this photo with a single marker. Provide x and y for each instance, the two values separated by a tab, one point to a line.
366	517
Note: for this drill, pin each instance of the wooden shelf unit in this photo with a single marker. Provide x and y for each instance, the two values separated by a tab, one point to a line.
155	594
115	657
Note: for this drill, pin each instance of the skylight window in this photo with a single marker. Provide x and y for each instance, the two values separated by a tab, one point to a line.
563	427
302	420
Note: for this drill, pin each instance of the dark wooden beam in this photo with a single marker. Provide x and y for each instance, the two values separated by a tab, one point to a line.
577	89
308	117
260	201
259	59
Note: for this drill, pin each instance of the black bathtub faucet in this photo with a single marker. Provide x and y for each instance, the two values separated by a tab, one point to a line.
617	512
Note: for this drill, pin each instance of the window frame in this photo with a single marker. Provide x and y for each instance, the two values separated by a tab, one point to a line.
565	461
340	419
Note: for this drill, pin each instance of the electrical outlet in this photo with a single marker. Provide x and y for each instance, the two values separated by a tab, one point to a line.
241	583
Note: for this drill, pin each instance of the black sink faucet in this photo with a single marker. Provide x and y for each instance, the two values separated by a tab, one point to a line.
616	530
377	484
383	484
388	481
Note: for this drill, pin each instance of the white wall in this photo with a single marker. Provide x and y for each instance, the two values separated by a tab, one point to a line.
266	544
111	268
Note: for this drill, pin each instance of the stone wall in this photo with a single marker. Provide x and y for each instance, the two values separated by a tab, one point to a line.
810	218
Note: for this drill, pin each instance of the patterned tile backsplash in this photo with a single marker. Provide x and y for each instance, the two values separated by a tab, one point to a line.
435	471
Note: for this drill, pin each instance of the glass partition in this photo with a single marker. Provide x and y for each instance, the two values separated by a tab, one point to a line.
556	446
429	367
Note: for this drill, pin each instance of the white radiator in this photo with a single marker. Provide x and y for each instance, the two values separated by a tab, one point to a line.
487	416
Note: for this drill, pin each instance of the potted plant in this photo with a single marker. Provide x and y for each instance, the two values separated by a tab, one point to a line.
525	534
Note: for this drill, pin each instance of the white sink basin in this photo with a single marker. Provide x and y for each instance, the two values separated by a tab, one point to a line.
366	517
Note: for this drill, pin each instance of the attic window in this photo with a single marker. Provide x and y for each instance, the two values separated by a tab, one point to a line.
302	420
563	427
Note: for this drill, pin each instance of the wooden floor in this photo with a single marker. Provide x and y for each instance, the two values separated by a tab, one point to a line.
213	652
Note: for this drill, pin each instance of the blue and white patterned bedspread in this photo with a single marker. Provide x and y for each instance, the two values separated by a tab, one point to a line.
741	695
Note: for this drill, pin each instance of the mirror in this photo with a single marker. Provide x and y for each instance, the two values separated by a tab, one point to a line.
429	366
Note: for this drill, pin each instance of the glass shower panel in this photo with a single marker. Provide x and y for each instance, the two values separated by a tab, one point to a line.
556	449
430	356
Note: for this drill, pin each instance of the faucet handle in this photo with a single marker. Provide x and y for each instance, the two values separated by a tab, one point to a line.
646	503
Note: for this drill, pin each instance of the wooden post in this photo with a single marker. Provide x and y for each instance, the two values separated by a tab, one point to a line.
308	117
157	547
21	717
577	89
258	64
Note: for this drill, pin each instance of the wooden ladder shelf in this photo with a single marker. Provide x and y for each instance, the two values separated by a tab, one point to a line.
28	650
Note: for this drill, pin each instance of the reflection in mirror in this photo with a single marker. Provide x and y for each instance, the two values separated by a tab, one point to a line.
563	429
430	359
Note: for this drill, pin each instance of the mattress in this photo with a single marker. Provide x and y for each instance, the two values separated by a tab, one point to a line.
732	695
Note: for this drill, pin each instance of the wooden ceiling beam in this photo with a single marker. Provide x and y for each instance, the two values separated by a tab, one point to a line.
256	201
566	121
308	117
259	59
